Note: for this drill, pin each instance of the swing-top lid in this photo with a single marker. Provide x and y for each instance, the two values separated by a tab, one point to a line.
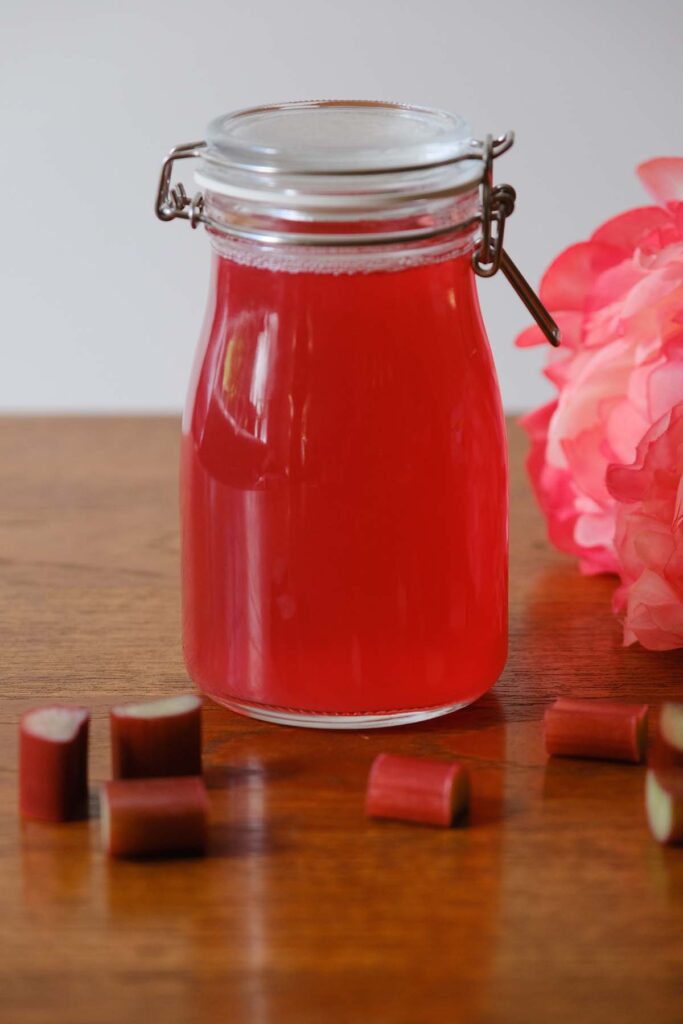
341	153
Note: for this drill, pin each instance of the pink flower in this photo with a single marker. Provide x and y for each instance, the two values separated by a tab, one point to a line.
649	536
618	299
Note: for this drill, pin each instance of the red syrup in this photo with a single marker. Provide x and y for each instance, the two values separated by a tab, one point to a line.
344	493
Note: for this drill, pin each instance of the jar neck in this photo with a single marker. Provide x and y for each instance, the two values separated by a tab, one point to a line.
429	230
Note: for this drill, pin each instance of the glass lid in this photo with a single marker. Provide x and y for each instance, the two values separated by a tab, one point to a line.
350	153
337	137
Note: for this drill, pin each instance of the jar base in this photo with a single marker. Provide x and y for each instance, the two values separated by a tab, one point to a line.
314	720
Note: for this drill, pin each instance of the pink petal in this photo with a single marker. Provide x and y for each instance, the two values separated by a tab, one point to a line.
559	372
654	614
569	279
665	388
553	487
594	531
654	547
597	563
570	324
627	230
586	463
624	483
624	426
650	307
536	422
628	526
619	599
613	285
663	178
529	337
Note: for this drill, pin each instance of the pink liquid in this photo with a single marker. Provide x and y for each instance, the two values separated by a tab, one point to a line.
344	493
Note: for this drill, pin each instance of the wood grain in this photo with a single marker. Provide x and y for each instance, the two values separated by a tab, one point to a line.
552	904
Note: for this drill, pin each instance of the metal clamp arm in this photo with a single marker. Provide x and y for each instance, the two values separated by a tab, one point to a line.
173	201
498	202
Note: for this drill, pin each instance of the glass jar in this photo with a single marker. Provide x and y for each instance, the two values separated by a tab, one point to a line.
344	469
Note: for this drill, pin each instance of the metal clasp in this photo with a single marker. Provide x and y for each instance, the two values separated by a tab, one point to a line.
498	202
172	200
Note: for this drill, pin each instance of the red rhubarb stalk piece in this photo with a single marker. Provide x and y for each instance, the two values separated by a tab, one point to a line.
671	724
596	728
147	817
53	763
664	804
416	789
668	752
157	738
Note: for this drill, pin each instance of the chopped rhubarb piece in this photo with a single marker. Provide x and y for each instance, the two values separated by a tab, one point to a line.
157	738
53	763
671	725
416	789
664	804
597	729
147	817
667	751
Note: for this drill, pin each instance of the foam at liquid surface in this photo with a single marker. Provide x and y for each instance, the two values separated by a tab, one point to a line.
335	261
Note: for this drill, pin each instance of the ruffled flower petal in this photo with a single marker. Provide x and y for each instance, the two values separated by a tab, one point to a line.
629	231
568	281
663	178
654	614
571	328
649	535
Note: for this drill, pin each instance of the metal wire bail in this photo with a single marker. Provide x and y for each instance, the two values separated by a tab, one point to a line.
173	201
498	202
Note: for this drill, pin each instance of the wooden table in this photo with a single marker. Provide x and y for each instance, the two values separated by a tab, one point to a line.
553	904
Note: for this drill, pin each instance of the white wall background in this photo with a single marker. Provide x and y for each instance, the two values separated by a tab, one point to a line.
100	304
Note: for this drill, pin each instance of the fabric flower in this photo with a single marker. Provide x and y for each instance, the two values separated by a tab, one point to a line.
618	299
649	536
